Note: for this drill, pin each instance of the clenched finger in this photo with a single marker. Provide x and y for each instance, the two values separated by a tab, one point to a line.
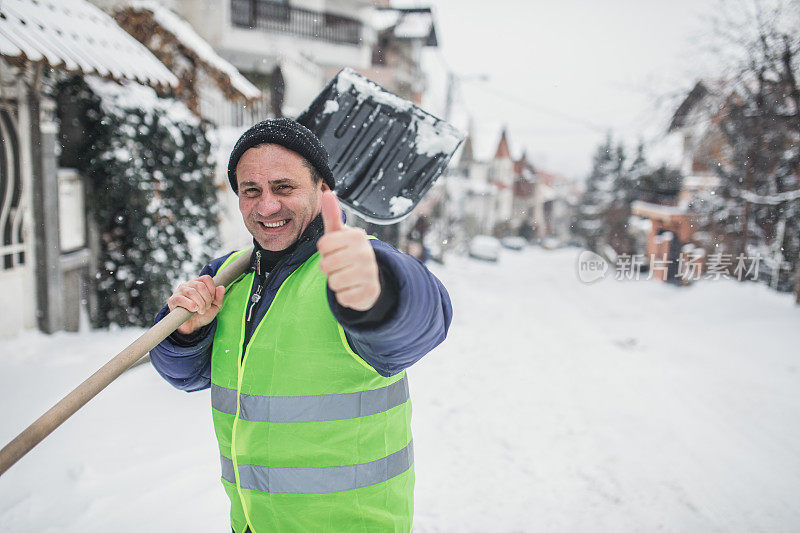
202	302
360	298
209	282
337	262
346	279
206	292
346	238
178	300
219	295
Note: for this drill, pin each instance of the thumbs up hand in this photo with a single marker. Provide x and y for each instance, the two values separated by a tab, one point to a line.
347	259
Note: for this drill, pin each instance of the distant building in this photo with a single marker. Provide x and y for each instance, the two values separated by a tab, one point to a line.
501	196
696	121
555	201
402	34
523	220
671	228
284	48
210	86
501	176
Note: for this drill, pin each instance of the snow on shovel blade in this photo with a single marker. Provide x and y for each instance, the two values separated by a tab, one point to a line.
384	151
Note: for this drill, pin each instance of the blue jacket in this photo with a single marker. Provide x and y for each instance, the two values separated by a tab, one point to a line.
418	323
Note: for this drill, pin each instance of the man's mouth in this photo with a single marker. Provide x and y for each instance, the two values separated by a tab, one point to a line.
276	224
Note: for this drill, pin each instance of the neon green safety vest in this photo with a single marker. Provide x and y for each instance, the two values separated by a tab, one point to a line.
311	437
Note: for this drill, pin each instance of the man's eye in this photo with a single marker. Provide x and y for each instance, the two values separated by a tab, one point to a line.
251	192
285	188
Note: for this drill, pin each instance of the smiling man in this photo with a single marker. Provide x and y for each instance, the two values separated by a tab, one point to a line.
306	353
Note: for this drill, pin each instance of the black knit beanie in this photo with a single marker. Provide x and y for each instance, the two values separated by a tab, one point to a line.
289	134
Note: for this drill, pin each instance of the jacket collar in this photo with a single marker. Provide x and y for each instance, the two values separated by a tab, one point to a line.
264	261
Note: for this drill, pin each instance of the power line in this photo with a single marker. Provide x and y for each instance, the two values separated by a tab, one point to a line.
546	110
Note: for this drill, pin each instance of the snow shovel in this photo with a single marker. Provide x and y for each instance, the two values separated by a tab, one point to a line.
385	154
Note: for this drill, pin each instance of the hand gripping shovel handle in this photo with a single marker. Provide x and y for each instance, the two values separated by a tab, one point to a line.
80	396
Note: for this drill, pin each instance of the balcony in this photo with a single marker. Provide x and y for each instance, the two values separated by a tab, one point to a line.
279	17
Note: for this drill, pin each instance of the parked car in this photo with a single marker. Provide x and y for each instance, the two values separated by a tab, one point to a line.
484	247
550	243
513	243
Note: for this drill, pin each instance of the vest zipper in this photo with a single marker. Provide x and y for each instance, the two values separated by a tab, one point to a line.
254	299
257	296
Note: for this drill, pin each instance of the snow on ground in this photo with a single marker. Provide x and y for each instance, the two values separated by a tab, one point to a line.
552	406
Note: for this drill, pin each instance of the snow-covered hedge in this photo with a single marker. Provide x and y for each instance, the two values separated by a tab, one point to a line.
150	192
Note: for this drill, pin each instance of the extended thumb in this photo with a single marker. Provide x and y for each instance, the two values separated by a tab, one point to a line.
331	212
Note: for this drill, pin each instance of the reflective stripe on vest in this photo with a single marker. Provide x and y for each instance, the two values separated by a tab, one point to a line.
319	408
319	480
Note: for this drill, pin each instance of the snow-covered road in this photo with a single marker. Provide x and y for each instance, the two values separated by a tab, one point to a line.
552	406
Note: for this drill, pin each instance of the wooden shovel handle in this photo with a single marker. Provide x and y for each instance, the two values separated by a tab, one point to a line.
80	396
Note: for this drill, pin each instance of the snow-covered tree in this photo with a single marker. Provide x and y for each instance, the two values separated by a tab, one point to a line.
150	193
605	207
598	198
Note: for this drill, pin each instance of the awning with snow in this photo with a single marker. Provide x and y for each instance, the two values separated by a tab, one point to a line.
78	37
152	23
408	23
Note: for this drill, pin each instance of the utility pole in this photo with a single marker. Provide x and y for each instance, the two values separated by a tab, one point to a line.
448	105
452	80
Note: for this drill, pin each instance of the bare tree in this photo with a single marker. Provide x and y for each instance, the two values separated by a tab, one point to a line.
758	206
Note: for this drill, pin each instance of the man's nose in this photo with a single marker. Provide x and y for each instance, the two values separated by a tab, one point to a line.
268	205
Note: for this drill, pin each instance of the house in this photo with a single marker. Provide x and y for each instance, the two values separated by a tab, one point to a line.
555	201
524	203
285	48
670	224
402	34
210	86
44	251
696	121
501	176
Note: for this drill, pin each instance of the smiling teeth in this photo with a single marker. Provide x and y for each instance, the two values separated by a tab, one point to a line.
274	224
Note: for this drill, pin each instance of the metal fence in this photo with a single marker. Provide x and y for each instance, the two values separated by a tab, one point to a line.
276	16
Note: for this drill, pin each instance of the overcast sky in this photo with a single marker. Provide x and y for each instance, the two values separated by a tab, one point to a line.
563	73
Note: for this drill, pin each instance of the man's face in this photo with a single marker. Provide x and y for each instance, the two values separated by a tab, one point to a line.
277	195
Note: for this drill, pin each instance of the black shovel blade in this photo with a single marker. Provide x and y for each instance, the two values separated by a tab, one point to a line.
385	152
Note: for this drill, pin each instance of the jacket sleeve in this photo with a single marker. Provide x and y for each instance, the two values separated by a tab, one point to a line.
419	322
187	366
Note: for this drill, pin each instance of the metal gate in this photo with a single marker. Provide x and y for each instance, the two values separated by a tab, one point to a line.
17	296
12	207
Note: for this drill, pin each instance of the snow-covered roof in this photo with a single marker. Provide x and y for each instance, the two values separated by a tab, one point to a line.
414	26
383	19
410	23
702	90
639	207
76	36
186	35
